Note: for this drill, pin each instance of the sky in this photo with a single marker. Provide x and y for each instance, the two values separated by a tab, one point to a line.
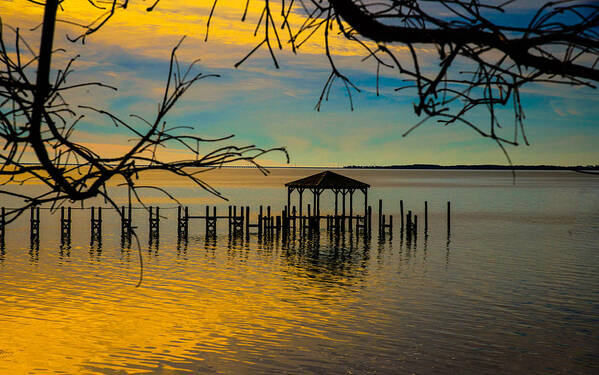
272	107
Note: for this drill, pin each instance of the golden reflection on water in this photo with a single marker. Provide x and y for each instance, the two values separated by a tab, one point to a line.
56	317
509	285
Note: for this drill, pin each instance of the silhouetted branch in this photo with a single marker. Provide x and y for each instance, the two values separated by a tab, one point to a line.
37	124
480	63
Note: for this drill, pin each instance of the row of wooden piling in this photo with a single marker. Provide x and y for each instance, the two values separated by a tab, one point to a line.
239	223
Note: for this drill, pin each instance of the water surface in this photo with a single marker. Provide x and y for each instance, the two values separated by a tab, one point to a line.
513	289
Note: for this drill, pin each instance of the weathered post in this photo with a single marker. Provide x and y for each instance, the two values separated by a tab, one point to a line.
179	223
381	219
182	217
301	205
35	226
2	226
69	219
260	224
186	218
425	216
343	194
124	226
207	218
154	224
401	213
351	210
448	217
96	226
65	225
269	221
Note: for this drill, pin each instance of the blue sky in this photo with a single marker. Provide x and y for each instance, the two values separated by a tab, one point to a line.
271	108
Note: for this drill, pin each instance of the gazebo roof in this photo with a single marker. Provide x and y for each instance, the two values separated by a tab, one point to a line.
327	180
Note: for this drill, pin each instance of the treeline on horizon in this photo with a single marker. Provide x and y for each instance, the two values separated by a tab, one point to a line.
479	167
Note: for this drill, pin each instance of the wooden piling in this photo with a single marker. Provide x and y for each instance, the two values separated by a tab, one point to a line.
96	226
401	213
260	224
448	217
154	224
34	221
65	224
2	225
207	218
381	217
351	210
126	224
425	216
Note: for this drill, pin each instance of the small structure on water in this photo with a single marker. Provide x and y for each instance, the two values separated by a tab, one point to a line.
328	180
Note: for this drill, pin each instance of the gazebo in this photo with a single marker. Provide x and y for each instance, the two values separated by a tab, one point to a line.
328	180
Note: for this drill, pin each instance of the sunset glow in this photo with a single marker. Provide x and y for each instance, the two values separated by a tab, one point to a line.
272	107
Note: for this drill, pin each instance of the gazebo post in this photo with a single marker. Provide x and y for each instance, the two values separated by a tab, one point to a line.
336	192
365	191
318	203
301	192
343	193
351	208
289	190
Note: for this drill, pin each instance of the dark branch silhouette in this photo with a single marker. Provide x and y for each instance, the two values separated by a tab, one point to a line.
479	62
37	124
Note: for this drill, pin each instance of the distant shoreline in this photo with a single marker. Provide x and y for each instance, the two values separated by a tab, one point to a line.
482	167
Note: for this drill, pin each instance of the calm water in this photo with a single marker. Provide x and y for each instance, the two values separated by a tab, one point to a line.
514	289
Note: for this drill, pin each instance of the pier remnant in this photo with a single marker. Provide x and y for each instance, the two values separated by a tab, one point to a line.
154	224
96	226
182	223
448	217
126	225
34	221
65	225
2	226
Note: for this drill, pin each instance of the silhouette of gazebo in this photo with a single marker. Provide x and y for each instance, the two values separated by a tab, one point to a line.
328	180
